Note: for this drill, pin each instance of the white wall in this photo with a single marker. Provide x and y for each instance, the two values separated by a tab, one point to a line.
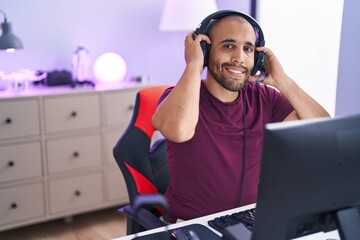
305	36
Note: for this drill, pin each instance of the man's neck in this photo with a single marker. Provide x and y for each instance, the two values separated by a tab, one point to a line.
220	92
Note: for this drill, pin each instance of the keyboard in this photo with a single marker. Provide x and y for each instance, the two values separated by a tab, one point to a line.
246	217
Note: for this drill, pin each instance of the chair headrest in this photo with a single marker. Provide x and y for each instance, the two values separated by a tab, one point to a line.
147	102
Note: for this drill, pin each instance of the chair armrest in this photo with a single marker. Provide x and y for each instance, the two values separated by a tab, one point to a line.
143	217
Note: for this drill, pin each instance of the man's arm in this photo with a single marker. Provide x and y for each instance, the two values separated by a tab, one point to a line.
177	115
304	105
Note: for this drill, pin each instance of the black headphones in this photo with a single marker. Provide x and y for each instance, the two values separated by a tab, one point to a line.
260	41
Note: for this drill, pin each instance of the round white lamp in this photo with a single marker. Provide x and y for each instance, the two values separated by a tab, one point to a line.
109	68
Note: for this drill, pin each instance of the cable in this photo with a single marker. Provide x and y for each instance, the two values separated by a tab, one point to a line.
244	147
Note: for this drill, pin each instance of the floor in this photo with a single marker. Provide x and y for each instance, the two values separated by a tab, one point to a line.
100	225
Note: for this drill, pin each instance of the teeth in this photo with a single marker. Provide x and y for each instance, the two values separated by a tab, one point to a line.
235	71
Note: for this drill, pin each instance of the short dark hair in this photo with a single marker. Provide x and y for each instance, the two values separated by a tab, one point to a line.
213	22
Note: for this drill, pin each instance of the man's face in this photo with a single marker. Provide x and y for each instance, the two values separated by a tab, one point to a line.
232	52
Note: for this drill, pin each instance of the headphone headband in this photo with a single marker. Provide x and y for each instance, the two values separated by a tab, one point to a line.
224	13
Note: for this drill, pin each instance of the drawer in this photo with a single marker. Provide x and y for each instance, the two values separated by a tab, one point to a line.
75	192
116	187
71	113
20	161
73	153
20	203
19	119
119	107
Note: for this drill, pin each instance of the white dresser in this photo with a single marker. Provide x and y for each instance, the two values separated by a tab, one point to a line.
56	151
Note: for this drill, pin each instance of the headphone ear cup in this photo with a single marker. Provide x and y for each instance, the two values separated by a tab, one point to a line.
206	50
259	62
204	45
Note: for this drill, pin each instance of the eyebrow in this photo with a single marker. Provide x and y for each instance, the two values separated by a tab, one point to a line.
229	40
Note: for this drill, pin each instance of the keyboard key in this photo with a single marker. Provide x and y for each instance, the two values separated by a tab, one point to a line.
245	217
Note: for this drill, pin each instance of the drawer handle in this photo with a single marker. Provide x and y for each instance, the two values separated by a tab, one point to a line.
8	120
76	154
11	163
73	114
14	205
77	193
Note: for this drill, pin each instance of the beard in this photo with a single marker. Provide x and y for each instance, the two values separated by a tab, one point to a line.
216	70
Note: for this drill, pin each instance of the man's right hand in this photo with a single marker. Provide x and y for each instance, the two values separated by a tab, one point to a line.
194	56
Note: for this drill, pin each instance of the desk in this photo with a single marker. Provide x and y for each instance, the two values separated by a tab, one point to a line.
333	235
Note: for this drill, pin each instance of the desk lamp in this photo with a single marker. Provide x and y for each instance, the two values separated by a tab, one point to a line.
109	67
8	41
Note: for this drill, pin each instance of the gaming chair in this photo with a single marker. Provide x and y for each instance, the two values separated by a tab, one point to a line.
143	164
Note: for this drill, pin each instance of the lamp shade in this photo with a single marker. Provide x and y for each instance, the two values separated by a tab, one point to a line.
185	15
8	41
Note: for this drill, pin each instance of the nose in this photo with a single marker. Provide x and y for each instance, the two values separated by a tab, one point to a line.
238	56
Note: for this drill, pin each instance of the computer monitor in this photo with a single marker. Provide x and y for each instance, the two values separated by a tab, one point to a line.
310	173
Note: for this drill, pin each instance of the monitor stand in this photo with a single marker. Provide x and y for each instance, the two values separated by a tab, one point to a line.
348	222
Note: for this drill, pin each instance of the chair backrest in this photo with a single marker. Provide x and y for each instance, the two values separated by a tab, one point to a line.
144	166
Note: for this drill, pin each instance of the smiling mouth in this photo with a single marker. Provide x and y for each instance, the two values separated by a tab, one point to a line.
236	72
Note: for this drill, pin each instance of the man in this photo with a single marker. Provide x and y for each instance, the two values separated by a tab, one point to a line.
214	126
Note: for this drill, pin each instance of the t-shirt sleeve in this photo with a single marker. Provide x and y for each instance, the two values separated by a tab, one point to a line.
165	94
281	107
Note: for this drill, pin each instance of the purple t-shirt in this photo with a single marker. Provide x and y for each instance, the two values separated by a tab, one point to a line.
206	172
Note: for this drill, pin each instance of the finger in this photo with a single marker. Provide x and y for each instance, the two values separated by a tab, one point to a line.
266	50
202	37
189	36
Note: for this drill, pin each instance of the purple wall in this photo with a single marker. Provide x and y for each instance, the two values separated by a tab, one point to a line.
348	84
51	30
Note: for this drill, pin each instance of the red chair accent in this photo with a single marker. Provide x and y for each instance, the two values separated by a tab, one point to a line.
143	164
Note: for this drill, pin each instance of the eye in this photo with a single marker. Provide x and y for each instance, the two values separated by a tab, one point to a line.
228	46
248	49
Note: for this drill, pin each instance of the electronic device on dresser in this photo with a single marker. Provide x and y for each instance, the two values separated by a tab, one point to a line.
260	41
308	180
